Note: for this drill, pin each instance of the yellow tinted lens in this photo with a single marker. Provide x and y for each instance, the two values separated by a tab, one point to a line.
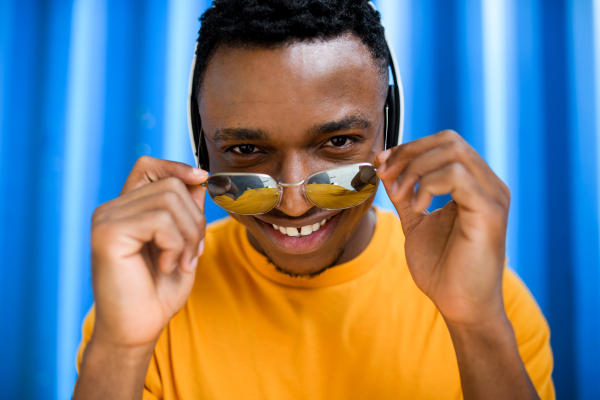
243	194
342	187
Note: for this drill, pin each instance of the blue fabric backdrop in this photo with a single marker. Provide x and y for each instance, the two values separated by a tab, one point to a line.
88	86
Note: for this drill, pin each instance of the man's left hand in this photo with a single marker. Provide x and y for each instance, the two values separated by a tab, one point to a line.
455	254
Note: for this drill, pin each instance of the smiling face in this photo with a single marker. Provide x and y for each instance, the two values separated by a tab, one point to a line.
289	112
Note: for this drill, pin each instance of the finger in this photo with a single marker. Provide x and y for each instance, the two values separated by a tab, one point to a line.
148	169
391	162
452	179
195	205
445	154
136	231
191	229
198	194
403	205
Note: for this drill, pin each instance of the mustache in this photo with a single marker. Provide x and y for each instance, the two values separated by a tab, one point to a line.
280	214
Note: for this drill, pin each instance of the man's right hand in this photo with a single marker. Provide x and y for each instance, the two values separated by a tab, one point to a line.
145	248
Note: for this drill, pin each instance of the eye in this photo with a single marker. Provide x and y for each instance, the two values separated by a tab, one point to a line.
244	149
339	141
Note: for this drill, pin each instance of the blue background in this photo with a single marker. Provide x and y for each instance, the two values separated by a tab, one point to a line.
86	87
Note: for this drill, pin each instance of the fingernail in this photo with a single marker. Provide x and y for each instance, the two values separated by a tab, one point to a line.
199	172
201	248
194	263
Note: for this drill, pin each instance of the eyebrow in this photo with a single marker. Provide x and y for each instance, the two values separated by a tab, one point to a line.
241	134
346	124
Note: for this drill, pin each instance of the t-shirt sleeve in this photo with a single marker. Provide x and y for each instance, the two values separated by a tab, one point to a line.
86	334
532	333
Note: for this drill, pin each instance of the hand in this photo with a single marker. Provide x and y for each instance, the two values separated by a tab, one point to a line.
145	248
455	254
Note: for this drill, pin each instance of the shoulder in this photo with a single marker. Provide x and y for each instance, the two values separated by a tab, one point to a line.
532	332
521	307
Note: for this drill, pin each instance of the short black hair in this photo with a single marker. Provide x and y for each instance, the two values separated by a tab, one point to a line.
274	23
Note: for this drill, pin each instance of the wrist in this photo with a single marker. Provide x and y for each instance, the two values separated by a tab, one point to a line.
130	355
112	371
493	333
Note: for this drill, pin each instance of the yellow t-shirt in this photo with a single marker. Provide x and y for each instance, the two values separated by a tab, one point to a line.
360	330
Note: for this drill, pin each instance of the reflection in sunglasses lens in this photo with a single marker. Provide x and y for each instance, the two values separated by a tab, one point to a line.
342	187
243	194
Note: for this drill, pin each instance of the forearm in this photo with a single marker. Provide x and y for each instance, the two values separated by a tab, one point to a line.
111	372
489	362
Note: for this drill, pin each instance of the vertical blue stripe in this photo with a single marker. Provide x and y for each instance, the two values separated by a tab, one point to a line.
122	87
149	111
494	21
529	197
20	49
49	169
396	18
584	177
183	27
470	74
559	213
84	131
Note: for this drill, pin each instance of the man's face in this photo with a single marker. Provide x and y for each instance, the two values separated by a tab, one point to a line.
290	112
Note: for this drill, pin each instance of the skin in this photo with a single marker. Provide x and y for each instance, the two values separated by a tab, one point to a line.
145	243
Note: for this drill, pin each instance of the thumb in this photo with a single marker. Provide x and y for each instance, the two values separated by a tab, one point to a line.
198	193
148	169
408	217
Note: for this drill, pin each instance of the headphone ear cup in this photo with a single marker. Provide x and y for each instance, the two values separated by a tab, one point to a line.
391	139
203	153
199	143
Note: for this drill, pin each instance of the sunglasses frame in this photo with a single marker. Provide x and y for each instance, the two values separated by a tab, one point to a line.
281	185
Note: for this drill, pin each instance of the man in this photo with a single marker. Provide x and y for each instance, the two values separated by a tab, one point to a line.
256	306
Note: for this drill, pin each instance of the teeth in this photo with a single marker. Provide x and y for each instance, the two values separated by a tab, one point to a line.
293	232
304	231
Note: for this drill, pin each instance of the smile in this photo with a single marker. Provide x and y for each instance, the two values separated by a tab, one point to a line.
302	231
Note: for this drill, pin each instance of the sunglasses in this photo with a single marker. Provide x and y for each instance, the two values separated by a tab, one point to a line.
330	189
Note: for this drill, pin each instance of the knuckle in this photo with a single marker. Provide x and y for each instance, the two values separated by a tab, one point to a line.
457	170
101	234
164	217
143	161
450	134
194	236
97	215
202	221
457	148
175	183
100	212
171	198
506	191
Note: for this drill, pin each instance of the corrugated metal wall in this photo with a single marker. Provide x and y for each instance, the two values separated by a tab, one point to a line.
87	86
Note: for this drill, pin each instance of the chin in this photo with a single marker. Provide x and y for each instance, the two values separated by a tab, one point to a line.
308	255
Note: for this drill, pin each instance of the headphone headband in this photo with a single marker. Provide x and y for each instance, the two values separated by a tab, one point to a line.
394	109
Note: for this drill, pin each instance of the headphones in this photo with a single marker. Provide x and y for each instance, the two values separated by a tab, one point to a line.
394	110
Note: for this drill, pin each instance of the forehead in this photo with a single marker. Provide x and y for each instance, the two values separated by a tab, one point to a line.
295	84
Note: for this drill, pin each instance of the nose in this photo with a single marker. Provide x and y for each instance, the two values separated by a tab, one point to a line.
293	200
